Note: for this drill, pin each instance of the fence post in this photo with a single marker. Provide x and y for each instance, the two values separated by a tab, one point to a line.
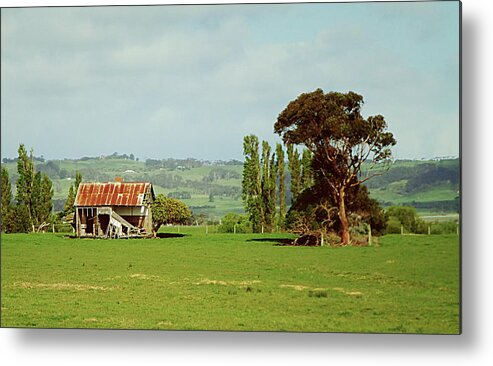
234	229
402	229
369	236
262	229
206	229
429	230
322	241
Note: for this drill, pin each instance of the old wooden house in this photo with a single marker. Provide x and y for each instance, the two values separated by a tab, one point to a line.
113	210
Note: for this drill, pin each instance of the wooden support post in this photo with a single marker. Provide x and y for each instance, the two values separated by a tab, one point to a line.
402	229
262	229
429	230
370	241
77	222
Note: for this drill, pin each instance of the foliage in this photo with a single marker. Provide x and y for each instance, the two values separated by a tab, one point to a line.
17	220
169	211
69	203
407	217
42	204
6	192
294	165
268	187
251	183
25	181
281	178
341	140
309	215
306	169
232	222
72	193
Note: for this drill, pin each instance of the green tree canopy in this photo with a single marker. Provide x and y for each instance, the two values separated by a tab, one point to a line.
331	126
167	210
251	183
6	191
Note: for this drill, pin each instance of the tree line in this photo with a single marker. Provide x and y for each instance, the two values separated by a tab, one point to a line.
31	210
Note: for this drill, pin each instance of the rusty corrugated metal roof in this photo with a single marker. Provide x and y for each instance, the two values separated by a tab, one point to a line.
111	194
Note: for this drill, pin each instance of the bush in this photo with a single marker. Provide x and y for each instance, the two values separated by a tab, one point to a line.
407	217
243	226
447	227
393	226
17	220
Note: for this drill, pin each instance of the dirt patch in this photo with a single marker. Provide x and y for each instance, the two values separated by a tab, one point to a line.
295	287
60	286
207	281
339	289
90	320
142	276
350	293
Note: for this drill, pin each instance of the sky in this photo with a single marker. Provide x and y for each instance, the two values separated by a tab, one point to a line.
192	81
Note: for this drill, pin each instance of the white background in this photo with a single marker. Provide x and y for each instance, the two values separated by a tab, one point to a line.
473	347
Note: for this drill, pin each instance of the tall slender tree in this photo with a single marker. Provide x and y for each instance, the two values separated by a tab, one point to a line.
77	182
72	193
47	198
272	190
281	177
25	168
69	203
41	199
36	201
306	169
6	191
251	183
294	166
268	187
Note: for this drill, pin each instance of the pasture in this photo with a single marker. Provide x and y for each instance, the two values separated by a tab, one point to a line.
242	282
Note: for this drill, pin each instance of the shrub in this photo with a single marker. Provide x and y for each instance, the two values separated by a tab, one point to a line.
229	221
17	220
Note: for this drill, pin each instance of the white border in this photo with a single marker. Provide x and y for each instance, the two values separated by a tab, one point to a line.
474	347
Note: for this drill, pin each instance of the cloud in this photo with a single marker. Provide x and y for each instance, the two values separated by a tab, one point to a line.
192	81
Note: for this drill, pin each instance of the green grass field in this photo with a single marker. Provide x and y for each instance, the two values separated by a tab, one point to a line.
230	282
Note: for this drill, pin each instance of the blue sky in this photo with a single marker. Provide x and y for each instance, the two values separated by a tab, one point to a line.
191	81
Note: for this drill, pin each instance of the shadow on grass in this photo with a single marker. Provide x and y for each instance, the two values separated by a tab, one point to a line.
158	236
169	235
279	241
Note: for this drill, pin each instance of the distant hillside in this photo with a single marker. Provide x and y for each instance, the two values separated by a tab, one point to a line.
214	188
427	185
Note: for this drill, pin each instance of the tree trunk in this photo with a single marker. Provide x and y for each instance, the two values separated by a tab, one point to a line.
345	240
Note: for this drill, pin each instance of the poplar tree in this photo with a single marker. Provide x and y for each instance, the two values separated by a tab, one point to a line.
41	199
306	169
268	187
78	181
251	182
72	193
272	186
25	168
6	191
294	166
69	203
281	177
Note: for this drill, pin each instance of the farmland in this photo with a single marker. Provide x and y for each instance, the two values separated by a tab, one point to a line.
214	188
191	280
